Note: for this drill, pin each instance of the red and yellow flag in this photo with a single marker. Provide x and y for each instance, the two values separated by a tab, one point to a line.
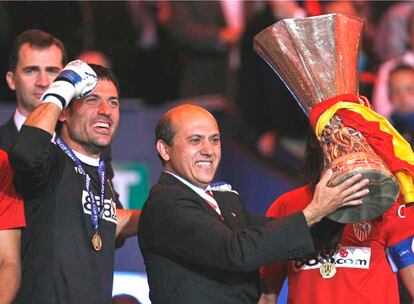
356	112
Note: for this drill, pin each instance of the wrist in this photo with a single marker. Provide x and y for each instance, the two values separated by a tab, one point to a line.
311	216
60	93
55	100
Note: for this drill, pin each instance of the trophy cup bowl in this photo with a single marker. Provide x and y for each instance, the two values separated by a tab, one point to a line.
317	59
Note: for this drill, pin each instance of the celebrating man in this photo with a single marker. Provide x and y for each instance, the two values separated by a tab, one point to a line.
199	243
68	246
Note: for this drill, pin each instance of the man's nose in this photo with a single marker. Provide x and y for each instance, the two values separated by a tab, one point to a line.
207	147
104	108
43	80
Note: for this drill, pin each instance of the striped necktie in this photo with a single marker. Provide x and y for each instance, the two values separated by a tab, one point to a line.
213	204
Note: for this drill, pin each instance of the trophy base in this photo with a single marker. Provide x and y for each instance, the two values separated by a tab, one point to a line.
383	192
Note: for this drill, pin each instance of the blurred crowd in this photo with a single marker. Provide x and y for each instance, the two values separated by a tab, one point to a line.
185	51
172	50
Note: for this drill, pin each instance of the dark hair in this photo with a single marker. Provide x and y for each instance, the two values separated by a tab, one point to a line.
313	165
326	234
164	131
401	67
36	39
107	74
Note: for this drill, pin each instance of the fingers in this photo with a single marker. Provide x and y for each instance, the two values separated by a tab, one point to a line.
327	199
355	202
349	182
326	177
356	196
353	190
348	191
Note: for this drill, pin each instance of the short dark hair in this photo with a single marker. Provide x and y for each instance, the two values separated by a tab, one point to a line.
164	131
401	67
36	39
107	74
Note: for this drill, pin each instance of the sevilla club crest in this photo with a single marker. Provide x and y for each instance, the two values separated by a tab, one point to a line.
362	230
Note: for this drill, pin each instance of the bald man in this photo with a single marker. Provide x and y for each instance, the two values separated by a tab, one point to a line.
199	243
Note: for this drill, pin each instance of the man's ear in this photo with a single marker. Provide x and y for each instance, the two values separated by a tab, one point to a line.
62	115
10	80
163	149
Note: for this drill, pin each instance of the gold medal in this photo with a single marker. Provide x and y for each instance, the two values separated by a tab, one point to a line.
96	242
327	270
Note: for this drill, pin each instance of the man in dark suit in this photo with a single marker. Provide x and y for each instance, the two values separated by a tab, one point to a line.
199	243
35	59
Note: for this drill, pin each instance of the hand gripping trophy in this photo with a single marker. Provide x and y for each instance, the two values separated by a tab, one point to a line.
317	58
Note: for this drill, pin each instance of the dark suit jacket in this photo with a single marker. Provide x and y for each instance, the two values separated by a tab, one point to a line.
193	256
8	134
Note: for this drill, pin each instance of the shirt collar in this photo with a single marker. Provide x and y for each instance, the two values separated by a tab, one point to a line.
18	119
87	159
210	200
196	189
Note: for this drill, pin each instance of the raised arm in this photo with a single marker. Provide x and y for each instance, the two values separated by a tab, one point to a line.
44	117
75	80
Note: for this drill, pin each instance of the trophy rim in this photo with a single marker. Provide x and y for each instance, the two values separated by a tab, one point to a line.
374	204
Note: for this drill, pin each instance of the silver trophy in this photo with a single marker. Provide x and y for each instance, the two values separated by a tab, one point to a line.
317	59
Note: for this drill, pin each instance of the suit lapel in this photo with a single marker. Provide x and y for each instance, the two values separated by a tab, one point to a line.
166	178
231	214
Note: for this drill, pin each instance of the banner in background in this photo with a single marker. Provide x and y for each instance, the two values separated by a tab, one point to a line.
131	182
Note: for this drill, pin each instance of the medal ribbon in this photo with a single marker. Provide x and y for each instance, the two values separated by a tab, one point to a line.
95	210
